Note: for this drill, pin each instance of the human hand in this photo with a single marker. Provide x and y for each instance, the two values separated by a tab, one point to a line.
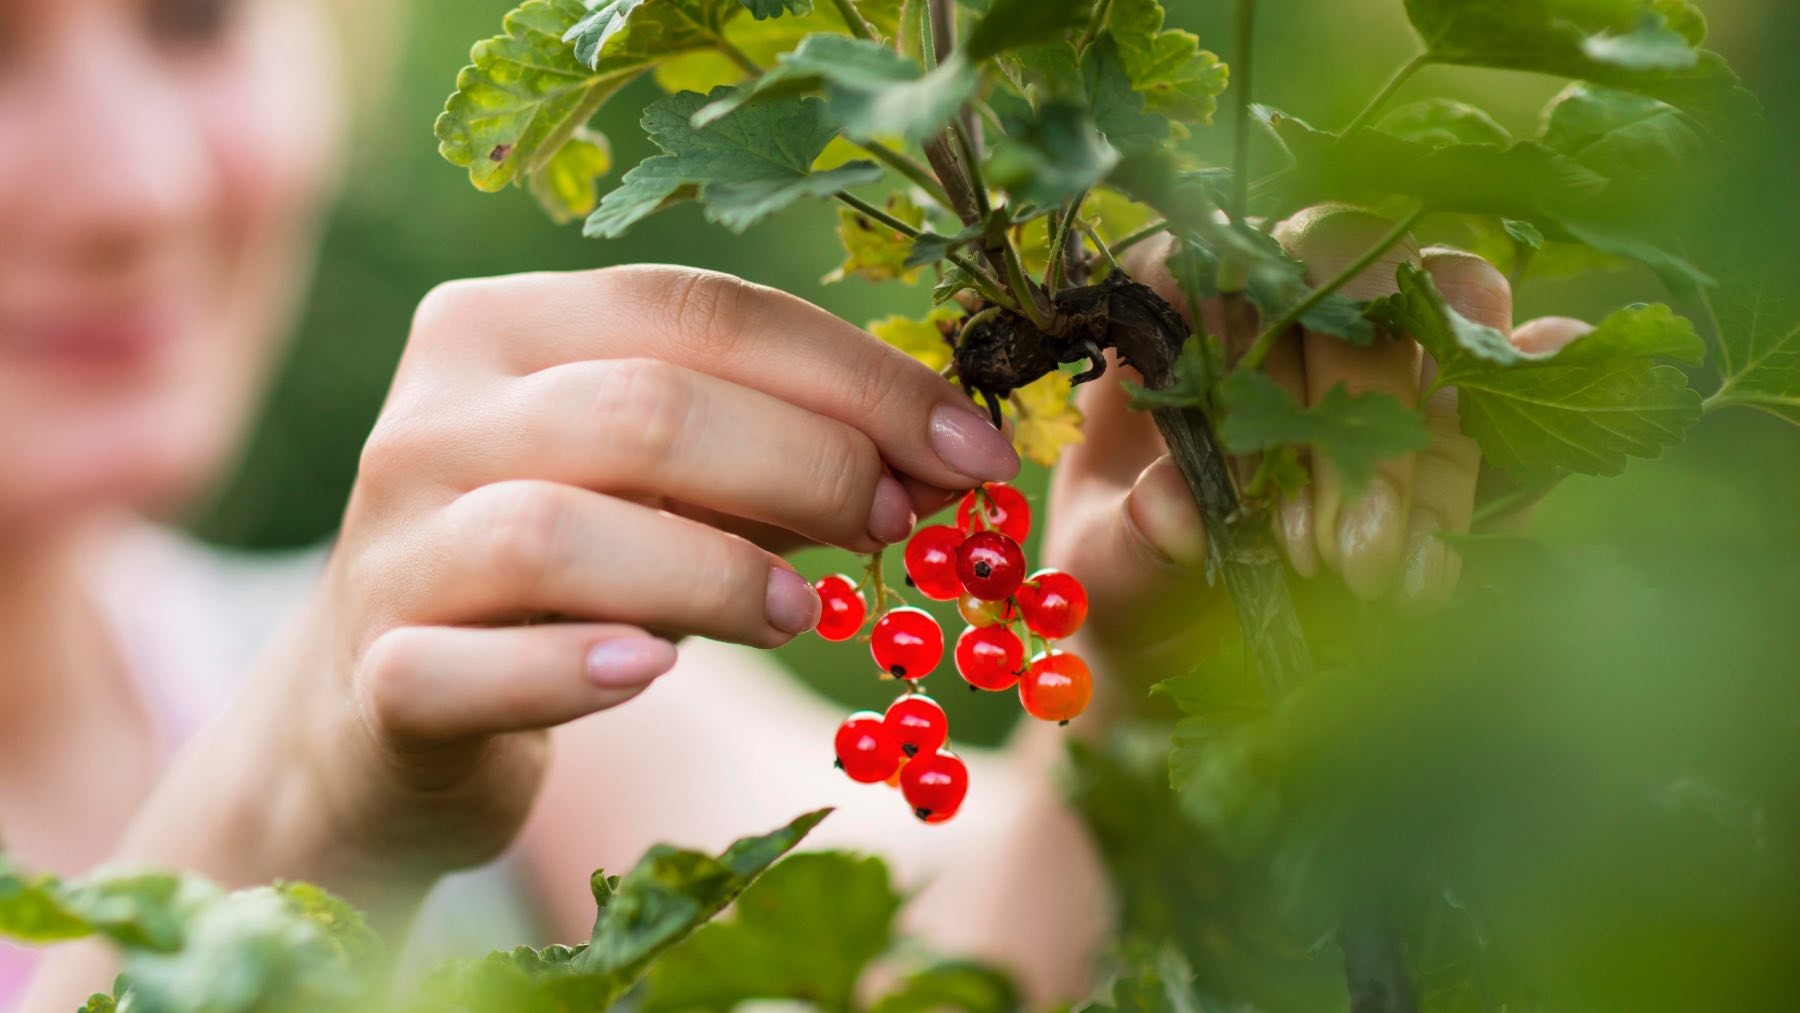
571	471
1122	516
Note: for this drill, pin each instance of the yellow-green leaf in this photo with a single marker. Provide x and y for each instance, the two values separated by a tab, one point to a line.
926	340
1045	419
565	185
874	251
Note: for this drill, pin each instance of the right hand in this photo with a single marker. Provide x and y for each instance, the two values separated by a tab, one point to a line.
625	451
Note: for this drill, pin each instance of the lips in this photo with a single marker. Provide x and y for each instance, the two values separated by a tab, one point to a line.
94	343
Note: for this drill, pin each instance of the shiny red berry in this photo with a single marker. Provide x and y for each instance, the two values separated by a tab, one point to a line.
1056	687
990	565
931	561
918	724
866	749
1054	604
842	607
934	785
907	643
1001	508
976	612
990	657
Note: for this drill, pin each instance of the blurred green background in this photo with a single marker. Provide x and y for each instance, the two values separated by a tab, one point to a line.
407	221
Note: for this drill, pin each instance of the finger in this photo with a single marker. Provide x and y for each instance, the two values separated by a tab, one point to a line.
1360	539
747	334
439	684
1549	335
1238	322
1140	550
646	427
527	548
1446	472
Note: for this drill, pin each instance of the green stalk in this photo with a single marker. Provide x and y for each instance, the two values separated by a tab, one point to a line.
1401	76
1053	271
854	20
1094	25
1253	358
1240	72
1139	236
736	55
989	286
905	166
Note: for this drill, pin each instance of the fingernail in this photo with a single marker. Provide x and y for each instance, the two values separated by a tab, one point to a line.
1369	539
969	443
1164	512
1425	577
1296	529
631	661
890	516
791	603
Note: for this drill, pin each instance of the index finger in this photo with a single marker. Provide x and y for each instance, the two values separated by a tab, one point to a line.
742	332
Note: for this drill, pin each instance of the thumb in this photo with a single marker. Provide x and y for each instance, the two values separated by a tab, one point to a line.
1140	549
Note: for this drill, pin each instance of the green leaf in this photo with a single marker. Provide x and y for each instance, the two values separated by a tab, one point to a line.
564	187
1643	46
1526	182
874	251
1352	430
953	985
1118	110
1585	409
635	33
805	931
1009	24
524	95
761	9
646	912
1051	154
870	90
1620	135
1178	78
743	168
1154	980
32	908
1759	349
1439	122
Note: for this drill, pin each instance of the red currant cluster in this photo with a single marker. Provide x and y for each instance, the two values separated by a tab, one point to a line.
979	564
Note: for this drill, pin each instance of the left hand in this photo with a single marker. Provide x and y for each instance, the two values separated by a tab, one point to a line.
1121	516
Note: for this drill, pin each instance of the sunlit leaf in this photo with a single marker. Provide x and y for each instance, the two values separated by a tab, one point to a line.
874	251
1441	121
1045	419
524	95
926	340
1117	108
565	186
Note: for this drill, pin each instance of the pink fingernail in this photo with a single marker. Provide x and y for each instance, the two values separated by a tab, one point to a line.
629	661
890	516
969	443
791	603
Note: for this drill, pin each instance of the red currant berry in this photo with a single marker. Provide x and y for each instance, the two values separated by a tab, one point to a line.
990	657
907	643
843	608
990	565
1054	604
1057	687
976	612
934	785
918	724
1003	509
931	561
866	749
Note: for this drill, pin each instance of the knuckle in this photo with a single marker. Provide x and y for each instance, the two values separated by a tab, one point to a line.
741	581
392	672
518	531
641	408
705	310
844	468
1330	237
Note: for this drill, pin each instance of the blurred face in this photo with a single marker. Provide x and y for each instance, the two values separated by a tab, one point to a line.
160	166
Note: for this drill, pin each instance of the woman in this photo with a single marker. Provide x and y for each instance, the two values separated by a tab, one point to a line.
632	448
